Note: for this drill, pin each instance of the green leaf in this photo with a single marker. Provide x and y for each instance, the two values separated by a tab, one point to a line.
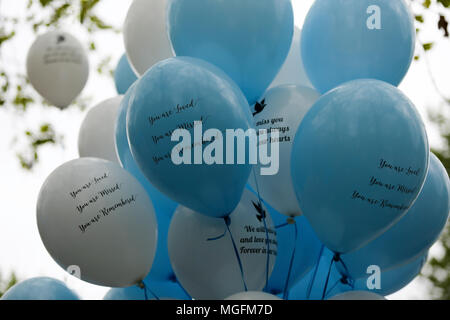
428	46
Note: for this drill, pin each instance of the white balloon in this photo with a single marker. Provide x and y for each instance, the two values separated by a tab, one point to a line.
94	215
145	34
97	132
285	108
358	295
58	67
207	267
293	71
253	295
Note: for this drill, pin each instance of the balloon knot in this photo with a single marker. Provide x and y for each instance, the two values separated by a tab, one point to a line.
227	220
337	257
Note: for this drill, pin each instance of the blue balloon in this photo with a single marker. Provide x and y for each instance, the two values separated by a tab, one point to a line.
164	207
307	251
393	280
414	234
154	290
41	288
249	40
357	39
124	76
187	93
314	285
359	161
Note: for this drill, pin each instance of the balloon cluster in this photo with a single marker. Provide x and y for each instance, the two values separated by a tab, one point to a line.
355	187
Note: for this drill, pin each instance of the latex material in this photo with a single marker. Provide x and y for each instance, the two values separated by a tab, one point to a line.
395	279
124	76
341	42
176	93
293	71
414	234
41	288
253	295
307	250
358	295
96	136
205	262
164	207
249	40
93	214
58	67
286	107
359	161
145	34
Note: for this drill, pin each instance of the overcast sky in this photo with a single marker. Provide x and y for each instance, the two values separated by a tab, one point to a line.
21	249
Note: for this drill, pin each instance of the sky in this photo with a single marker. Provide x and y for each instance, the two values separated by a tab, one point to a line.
21	249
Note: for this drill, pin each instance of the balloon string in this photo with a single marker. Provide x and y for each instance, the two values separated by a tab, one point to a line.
313	279
146	288
286	286
265	227
227	223
282	225
332	288
328	277
219	237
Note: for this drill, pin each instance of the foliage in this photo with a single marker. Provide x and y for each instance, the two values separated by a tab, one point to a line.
5	284
17	95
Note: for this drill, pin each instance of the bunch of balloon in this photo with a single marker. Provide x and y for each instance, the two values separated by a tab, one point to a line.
124	76
58	67
411	237
251	50
90	209
96	135
353	177
298	250
364	40
161	273
240	252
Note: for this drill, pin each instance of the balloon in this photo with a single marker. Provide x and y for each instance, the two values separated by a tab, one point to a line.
209	263
307	252
175	94
164	207
93	214
395	279
358	295
293	71
253	295
58	67
313	285
249	40
285	108
145	34
156	290
124	76
41	288
359	161
414	234
357	39
96	136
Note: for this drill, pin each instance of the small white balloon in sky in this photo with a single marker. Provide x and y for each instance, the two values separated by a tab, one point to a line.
58	67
